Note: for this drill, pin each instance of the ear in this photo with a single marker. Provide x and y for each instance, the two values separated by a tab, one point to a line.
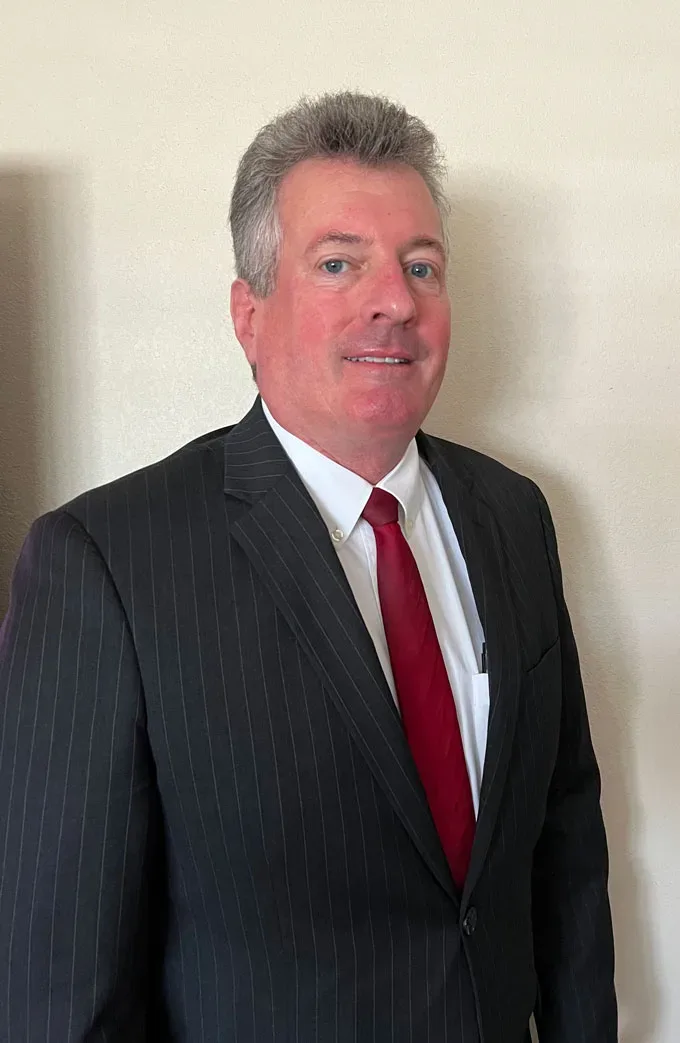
244	306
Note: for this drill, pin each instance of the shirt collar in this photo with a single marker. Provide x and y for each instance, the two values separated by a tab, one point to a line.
341	495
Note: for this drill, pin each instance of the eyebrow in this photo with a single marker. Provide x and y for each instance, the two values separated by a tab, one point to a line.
336	238
427	242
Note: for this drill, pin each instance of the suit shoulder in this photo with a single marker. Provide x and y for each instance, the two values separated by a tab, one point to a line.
492	480
147	488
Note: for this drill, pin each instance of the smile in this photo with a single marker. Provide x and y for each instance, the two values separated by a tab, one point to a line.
369	358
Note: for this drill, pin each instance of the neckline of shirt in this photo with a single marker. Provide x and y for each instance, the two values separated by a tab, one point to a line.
341	495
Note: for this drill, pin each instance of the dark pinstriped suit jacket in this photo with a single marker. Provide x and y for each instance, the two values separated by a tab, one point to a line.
210	825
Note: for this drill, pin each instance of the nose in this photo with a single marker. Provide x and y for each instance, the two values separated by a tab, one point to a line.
389	298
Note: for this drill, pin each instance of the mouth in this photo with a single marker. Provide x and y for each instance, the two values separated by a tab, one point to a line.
383	360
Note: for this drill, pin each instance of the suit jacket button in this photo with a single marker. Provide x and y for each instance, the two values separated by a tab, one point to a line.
470	921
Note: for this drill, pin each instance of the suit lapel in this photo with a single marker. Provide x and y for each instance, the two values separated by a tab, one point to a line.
479	539
287	543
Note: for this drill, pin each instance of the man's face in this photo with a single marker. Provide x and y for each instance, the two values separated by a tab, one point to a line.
361	276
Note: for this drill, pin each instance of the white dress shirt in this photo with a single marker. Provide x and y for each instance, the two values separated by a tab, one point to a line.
340	496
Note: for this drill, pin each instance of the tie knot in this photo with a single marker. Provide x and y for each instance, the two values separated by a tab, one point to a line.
382	508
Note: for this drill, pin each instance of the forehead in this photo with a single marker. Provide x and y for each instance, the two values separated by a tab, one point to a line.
322	193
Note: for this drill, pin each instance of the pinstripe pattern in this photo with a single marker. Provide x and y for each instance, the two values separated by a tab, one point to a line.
211	828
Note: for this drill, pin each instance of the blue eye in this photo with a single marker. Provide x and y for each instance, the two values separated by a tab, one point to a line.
420	270
334	266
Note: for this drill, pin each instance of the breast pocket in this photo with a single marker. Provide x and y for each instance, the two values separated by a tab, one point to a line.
538	725
544	659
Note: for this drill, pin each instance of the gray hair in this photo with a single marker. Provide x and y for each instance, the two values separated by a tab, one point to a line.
365	128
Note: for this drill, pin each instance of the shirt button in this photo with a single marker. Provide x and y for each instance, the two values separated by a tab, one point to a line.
337	535
409	528
470	922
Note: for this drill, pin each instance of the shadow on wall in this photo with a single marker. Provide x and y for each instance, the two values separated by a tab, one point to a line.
39	347
511	291
22	217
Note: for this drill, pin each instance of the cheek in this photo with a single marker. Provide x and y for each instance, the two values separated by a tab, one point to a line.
317	323
436	329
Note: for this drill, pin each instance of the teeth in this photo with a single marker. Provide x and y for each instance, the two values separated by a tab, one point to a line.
367	358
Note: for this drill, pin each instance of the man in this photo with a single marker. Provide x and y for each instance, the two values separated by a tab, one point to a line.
294	740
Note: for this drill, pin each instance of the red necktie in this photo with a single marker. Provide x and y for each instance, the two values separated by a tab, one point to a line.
423	689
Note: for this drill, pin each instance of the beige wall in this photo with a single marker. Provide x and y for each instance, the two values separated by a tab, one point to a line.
119	135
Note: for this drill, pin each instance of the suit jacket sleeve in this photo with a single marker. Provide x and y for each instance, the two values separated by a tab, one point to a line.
76	800
572	923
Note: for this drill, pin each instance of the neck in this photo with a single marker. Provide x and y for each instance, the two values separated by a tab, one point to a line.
371	464
371	458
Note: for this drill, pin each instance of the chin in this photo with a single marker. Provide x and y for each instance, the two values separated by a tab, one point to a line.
392	413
